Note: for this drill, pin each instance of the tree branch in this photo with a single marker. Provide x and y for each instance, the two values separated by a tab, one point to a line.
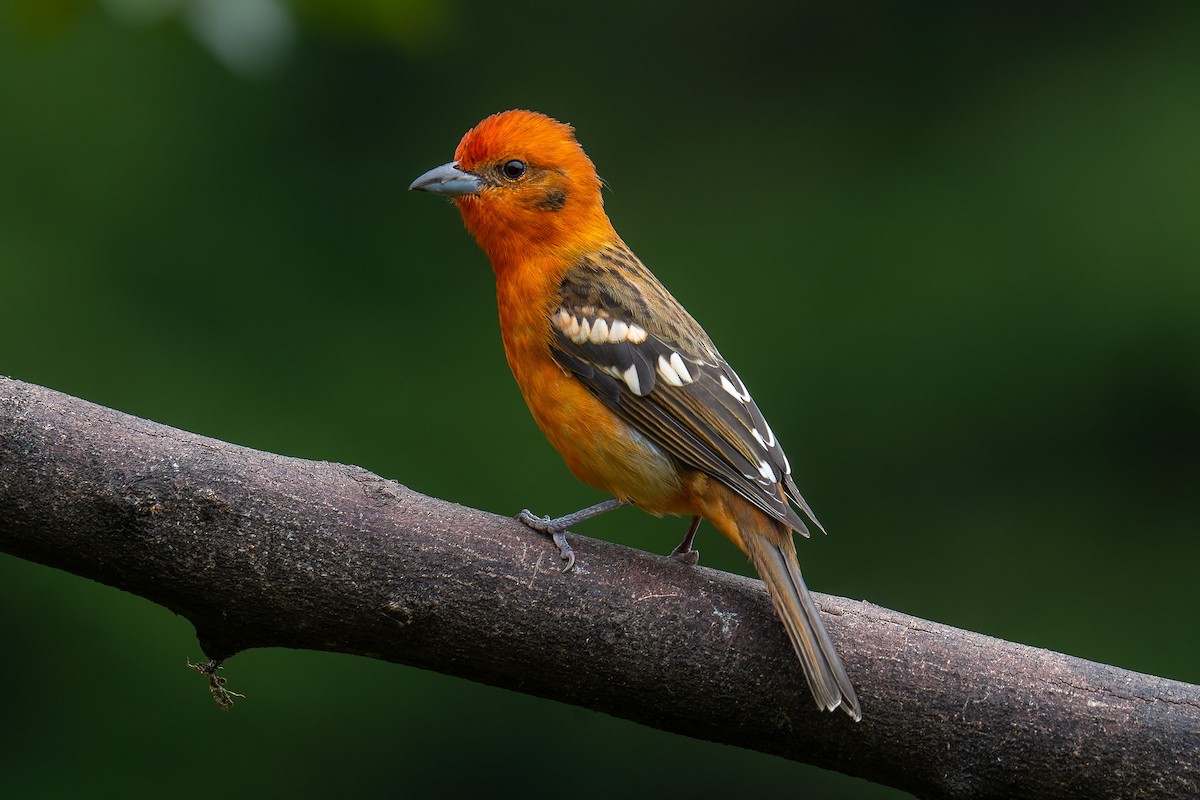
261	550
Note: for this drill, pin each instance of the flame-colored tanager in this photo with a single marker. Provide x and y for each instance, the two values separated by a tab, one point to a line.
624	383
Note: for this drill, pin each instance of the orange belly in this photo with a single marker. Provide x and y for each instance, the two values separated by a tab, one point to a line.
599	448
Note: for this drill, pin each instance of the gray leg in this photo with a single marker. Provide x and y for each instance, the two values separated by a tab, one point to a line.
684	551
556	526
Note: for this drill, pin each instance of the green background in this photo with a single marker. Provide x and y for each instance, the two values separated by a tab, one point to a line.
954	253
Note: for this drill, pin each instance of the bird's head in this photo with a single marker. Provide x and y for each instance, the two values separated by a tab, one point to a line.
521	181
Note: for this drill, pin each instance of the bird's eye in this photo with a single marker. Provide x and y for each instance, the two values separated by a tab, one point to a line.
513	169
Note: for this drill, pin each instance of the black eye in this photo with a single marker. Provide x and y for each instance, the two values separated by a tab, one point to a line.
513	169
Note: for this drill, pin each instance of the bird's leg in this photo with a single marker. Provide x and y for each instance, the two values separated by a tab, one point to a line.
684	551
556	526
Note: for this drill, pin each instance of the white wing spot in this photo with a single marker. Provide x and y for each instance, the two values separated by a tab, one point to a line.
667	373
617	331
567	323
742	388
599	332
765	470
637	334
585	332
770	436
630	377
728	386
680	368
758	437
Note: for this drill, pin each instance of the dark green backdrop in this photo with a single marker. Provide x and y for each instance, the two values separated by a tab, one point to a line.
955	255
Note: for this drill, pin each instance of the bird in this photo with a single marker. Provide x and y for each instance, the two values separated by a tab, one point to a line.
620	378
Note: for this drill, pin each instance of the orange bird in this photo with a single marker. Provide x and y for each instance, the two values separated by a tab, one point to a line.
623	382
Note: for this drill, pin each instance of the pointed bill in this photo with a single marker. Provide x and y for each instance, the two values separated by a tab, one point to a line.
449	180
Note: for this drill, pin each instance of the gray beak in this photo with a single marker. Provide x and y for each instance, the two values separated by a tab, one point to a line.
449	180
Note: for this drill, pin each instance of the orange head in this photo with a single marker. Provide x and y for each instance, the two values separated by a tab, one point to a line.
523	185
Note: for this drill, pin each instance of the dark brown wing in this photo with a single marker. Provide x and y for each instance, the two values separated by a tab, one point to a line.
634	346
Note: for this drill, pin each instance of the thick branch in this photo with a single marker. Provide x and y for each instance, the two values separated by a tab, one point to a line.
260	550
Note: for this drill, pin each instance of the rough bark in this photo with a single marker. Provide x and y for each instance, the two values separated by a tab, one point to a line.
261	550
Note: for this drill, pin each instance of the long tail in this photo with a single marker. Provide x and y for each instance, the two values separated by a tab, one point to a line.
776	563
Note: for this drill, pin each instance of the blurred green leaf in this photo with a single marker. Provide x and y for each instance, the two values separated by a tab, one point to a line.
414	24
43	18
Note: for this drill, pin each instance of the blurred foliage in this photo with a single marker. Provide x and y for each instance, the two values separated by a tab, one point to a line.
953	249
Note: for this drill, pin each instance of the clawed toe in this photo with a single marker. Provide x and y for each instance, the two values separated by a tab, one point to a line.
543	524
555	529
564	550
684	553
689	557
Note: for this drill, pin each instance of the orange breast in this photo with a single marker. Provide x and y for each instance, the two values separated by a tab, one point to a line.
599	448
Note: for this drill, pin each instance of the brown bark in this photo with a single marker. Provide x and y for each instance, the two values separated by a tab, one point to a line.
261	550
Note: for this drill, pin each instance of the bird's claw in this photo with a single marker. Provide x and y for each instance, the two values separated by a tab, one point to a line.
684	553
689	557
546	525
564	550
543	524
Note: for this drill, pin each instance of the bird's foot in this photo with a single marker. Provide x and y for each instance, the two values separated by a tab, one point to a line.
684	553
555	528
689	557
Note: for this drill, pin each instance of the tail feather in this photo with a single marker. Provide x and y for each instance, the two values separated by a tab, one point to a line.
827	678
